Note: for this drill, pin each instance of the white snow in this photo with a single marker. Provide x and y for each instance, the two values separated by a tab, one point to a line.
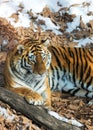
7	9
23	20
84	41
78	7
71	121
3	112
49	25
80	10
36	5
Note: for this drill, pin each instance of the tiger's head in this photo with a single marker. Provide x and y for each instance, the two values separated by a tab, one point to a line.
31	59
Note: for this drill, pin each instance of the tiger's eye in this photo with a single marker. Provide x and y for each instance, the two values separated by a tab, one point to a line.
32	58
43	56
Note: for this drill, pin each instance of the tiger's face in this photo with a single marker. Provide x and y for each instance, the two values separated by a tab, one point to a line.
30	60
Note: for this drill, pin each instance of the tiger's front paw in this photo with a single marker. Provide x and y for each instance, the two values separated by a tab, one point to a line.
34	99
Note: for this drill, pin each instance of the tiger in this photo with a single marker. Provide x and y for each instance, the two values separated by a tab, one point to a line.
34	70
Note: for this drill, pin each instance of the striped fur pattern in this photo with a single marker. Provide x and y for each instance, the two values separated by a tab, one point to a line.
33	70
26	73
71	70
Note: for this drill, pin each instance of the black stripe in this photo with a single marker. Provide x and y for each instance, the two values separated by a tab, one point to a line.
63	47
86	95
52	70
77	63
62	52
89	83
57	73
70	52
64	70
81	67
32	51
52	84
32	47
82	85
75	91
88	74
35	48
38	47
67	61
38	86
37	83
23	63
73	74
91	53
88	55
26	41
54	51
85	64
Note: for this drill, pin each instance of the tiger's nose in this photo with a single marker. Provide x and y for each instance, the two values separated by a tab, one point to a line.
39	69
39	66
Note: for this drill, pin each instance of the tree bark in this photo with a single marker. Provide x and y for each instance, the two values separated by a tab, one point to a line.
35	113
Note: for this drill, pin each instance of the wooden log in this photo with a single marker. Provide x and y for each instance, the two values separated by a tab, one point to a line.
35	113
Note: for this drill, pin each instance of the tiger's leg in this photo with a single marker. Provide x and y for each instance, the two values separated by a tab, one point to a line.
80	92
30	96
47	98
34	98
76	90
86	93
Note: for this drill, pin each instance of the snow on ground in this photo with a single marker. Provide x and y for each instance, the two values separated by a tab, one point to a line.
64	119
77	7
84	41
49	24
8	7
4	112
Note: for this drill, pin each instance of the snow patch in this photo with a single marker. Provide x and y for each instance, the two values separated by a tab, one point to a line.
84	41
81	8
7	9
23	21
71	121
49	25
3	112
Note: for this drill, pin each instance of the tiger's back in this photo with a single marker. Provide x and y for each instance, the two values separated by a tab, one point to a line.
72	70
32	70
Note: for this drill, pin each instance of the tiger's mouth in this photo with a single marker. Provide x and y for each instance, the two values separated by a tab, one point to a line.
39	75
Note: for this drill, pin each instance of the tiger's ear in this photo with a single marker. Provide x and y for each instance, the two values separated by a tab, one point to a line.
20	49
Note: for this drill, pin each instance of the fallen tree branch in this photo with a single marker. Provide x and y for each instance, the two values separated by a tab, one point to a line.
35	113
